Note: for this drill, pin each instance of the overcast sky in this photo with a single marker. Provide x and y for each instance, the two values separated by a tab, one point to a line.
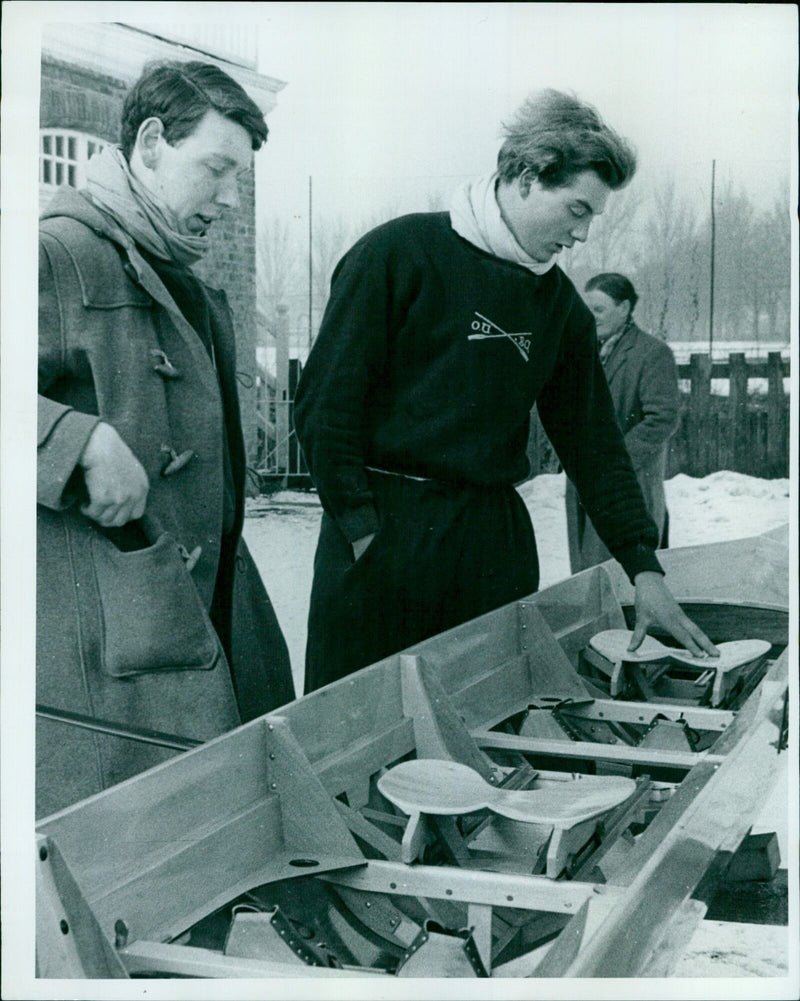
392	91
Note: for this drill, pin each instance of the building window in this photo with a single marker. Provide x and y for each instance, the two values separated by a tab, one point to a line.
63	155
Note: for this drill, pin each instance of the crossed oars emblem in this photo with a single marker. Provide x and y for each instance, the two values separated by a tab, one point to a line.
485	328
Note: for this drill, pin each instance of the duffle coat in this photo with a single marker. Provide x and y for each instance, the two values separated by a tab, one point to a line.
643	380
126	637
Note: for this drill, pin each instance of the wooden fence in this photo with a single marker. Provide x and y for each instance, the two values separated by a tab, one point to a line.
746	431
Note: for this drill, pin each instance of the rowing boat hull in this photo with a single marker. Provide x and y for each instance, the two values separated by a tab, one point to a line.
286	809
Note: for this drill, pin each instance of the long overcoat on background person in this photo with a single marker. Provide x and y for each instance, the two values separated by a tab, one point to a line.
126	636
643	380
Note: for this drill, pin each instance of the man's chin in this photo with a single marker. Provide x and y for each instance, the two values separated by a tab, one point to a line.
196	226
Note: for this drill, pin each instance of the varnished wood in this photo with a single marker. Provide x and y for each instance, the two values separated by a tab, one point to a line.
374	836
470	886
614	644
639	712
675	937
446	788
585	750
365	756
309	819
439	732
714	820
256	806
69	939
159	958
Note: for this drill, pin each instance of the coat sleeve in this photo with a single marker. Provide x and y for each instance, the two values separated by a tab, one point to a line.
578	415
659	400
62	432
332	406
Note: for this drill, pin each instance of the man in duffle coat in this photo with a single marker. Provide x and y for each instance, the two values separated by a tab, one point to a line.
643	380
151	615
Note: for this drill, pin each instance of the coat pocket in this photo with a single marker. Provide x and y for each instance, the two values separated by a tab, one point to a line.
152	617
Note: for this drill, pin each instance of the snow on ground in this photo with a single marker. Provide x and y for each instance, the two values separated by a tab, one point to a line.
720	506
730	949
281	531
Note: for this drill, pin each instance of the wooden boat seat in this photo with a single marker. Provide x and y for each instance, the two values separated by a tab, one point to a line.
717	676
447	788
613	645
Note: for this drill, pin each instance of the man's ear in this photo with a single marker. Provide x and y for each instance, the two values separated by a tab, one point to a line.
526	179
148	141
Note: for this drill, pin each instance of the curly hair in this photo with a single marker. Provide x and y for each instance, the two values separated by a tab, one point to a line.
180	94
556	136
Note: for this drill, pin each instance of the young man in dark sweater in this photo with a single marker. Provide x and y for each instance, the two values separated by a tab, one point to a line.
442	331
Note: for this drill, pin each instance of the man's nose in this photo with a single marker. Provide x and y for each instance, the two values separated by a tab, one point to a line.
228	193
580	230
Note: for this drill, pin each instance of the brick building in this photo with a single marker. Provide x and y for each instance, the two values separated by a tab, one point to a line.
86	71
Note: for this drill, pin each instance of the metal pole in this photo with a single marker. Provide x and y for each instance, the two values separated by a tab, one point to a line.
110	729
310	264
282	401
713	243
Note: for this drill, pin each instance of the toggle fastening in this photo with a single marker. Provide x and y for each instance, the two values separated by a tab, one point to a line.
163	365
175	461
190	558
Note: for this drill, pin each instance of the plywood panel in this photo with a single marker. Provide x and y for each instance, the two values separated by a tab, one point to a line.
130	824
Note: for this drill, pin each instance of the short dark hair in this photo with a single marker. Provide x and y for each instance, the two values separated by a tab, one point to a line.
180	94
615	286
556	136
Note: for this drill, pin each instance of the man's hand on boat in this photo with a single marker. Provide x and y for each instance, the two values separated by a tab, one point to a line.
655	606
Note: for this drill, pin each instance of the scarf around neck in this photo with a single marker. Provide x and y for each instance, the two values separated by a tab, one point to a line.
115	191
475	215
609	343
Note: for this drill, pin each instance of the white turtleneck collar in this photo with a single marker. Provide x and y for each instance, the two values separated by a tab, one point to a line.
475	215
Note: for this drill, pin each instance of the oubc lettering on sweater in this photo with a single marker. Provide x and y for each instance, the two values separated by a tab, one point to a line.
429	359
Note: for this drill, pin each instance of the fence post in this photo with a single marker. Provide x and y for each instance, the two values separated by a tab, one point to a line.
738	430
777	413
699	413
296	461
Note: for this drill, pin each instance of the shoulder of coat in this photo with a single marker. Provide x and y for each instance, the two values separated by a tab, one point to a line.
90	262
649	343
85	246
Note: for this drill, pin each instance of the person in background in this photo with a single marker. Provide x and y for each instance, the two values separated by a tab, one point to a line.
151	615
441	332
643	380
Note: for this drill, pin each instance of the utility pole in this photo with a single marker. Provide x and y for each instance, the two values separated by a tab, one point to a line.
713	243
282	401
310	263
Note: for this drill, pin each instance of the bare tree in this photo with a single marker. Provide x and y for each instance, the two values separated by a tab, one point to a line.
612	243
734	260
669	276
277	268
376	217
772	265
332	236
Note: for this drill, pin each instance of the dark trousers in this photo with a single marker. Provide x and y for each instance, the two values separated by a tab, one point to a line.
444	553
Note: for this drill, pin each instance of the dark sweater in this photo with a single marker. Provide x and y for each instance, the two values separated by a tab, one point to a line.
429	359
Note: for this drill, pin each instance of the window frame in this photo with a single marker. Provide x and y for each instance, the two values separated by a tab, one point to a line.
63	155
